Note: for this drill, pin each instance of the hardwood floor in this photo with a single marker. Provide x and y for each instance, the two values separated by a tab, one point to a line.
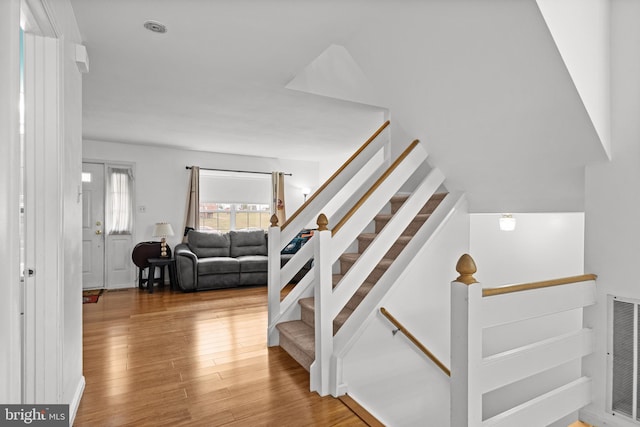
195	359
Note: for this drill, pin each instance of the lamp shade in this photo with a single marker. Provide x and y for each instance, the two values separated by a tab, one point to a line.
162	229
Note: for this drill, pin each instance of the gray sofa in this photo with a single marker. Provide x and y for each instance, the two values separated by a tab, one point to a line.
224	260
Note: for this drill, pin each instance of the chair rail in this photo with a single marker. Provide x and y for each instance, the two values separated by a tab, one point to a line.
488	292
336	173
415	341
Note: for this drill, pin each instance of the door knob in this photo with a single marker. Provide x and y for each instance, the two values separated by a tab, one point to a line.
98	232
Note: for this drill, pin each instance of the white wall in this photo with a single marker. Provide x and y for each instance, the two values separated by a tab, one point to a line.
580	29
386	373
71	168
543	246
161	179
612	202
482	84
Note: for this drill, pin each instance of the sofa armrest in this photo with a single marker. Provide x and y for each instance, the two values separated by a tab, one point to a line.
186	267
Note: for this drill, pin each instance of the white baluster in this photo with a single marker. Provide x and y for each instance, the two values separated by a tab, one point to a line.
273	280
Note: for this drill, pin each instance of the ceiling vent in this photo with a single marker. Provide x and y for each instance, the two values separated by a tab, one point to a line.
155	26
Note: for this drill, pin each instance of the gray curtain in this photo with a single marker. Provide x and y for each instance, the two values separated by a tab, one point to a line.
277	193
192	216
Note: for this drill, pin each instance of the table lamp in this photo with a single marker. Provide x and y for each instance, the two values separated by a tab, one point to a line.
162	230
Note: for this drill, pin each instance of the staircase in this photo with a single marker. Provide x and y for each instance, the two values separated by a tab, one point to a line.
297	337
329	322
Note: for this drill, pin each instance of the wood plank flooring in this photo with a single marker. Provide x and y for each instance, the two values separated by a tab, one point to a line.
194	359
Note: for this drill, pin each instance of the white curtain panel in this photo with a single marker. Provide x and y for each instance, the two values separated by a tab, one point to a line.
119	200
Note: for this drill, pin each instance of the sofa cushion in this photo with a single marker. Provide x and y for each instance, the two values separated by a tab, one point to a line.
218	265
206	245
253	263
248	242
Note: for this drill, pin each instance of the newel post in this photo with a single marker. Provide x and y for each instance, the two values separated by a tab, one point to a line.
320	370
273	279
466	346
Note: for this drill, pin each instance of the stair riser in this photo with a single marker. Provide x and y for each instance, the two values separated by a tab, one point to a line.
298	355
308	316
393	252
411	229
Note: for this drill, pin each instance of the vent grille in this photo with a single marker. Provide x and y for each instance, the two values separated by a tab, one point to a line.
624	354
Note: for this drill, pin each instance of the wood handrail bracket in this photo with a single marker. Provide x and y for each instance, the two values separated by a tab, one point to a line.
374	187
336	173
415	341
488	292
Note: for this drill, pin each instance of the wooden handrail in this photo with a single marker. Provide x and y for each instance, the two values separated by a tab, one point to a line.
336	173
488	292
374	187
414	340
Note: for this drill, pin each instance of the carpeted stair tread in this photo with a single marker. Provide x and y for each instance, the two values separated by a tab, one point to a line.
387	217
371	236
307	310
365	239
359	295
398	200
353	257
381	221
298	339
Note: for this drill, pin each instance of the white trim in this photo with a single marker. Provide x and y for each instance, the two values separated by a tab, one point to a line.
75	401
604	419
39	18
44	328
82	58
10	318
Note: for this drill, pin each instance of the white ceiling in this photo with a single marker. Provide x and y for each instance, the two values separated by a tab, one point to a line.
216	80
481	83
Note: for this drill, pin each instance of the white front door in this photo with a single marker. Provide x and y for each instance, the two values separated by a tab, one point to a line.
93	225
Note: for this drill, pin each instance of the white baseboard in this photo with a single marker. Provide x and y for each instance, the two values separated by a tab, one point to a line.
598	418
75	402
122	286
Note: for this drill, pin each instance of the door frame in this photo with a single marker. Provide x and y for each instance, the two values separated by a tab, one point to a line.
11	303
44	290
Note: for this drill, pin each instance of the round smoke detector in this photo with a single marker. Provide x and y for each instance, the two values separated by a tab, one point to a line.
155	26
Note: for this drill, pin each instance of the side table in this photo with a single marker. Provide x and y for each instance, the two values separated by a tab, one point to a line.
170	263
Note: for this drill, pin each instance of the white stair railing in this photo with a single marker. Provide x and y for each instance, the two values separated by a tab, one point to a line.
354	172
475	310
329	245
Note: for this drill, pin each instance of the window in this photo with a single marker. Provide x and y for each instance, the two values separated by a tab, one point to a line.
119	200
233	216
234	200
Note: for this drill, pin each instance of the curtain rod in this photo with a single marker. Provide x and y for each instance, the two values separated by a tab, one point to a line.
238	171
